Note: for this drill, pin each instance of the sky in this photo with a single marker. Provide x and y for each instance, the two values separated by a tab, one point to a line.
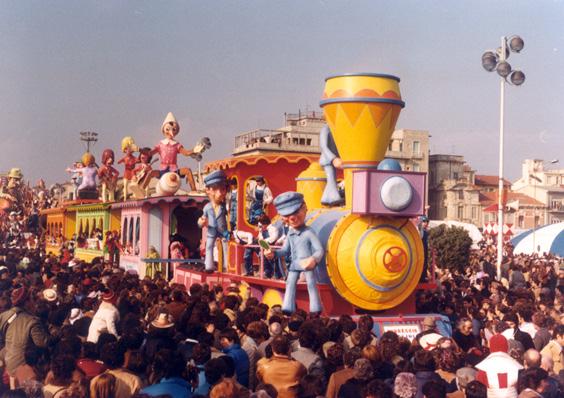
226	67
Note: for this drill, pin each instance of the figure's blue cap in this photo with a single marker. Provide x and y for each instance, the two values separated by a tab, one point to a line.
288	203
215	177
389	164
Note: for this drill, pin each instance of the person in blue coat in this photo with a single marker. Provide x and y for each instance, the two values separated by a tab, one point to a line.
172	366
330	161
215	216
231	346
304	248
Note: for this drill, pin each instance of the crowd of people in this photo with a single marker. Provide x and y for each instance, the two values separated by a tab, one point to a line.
76	329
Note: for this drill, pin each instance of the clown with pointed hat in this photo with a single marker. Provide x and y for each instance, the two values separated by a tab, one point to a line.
168	149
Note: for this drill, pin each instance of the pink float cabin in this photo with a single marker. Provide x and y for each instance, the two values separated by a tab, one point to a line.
152	222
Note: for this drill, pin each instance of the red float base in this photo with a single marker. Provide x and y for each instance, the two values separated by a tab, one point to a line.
333	303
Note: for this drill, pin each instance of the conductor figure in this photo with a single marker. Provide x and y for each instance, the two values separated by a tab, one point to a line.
304	247
215	215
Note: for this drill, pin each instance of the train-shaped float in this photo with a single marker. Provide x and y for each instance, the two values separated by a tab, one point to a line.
374	255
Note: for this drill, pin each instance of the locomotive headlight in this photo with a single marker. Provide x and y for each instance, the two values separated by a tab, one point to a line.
396	193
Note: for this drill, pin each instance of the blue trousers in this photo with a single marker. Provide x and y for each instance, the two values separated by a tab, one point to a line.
289	303
210	243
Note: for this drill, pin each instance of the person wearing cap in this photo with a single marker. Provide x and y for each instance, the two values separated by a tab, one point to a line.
259	197
499	371
105	319
215	216
18	331
330	161
304	248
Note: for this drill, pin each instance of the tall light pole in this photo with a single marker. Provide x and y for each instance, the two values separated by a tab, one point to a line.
498	61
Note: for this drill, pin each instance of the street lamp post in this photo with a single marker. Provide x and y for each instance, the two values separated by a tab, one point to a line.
498	61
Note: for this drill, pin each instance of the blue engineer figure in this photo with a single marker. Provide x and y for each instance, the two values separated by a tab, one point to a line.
304	247
215	216
269	233
330	161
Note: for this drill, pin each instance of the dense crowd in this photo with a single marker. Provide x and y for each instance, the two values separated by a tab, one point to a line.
75	329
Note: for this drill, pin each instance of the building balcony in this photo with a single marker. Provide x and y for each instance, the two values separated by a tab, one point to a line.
276	140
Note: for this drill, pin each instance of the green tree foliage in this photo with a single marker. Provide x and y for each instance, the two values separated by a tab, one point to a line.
451	245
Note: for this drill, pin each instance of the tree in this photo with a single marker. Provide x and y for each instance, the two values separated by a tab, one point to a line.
451	246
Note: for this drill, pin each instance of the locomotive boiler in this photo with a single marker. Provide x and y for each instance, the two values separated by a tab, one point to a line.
374	254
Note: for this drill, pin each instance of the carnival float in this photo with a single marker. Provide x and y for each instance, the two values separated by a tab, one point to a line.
373	256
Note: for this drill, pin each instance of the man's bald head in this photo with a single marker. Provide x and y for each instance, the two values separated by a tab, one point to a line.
532	359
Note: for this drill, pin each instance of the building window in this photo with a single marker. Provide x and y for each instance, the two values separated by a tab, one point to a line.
460	212
461	195
416	167
474	213
521	222
401	146
416	148
390	145
537	219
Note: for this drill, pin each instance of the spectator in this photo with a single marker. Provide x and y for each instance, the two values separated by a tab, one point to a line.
340	377
171	368
475	389
554	349
499	372
353	387
231	346
127	383
18	331
62	368
305	354
463	335
104	387
105	319
283	372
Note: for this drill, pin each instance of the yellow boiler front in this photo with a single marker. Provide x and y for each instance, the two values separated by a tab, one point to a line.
374	262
